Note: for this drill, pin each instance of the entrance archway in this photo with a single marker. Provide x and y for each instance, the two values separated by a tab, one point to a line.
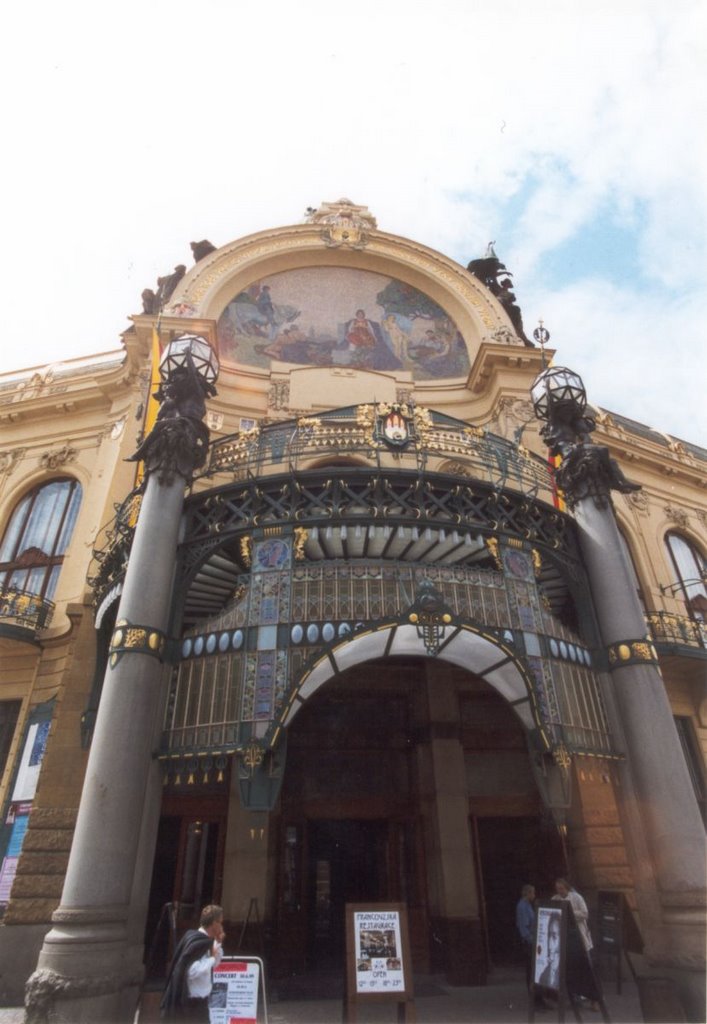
486	655
388	796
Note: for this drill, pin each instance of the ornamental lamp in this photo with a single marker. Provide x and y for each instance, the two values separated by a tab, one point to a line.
177	353
557	388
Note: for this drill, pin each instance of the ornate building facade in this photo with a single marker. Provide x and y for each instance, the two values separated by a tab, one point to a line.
385	669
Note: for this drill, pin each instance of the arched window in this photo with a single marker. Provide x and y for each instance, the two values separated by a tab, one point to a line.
37	536
689	575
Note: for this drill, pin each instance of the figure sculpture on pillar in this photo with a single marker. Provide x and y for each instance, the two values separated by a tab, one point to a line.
178	442
586	470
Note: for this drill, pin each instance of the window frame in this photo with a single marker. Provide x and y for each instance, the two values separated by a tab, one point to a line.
40	568
683	585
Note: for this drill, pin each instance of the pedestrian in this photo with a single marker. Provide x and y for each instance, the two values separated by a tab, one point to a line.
525	925
189	979
581	977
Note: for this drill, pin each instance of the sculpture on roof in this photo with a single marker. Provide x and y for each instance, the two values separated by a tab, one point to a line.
200	250
166	285
153	301
342	223
150	305
494	276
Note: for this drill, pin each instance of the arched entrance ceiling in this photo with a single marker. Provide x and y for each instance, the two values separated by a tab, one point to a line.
480	653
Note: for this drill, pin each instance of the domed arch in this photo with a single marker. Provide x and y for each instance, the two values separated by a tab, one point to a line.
215	281
480	653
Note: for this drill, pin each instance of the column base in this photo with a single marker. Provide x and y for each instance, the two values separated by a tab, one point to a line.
85	972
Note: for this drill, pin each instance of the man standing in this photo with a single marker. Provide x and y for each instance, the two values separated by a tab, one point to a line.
581	977
189	979
525	923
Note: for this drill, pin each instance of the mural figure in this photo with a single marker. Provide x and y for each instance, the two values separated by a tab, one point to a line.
365	346
304	316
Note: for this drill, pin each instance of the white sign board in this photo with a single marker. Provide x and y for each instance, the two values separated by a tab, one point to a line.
378	951
234	996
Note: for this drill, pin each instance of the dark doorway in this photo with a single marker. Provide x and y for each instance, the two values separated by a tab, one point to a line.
512	852
186	875
347	864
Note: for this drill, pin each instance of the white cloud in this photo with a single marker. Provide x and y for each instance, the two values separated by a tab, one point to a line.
132	132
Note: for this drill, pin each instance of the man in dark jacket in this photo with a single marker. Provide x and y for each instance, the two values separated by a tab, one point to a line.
189	979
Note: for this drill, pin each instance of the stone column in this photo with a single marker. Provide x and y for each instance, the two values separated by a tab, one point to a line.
83	960
668	809
88	968
659	803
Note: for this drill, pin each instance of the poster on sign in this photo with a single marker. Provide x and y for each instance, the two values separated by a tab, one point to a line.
234	996
378	951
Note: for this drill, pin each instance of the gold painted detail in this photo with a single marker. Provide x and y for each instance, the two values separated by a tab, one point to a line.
238	449
537	561
128	637
247	550
561	756
25	609
343	223
252	757
631	652
301	534
492	545
368	415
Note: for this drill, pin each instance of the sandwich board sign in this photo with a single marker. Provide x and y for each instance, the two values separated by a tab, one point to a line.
378	964
237	983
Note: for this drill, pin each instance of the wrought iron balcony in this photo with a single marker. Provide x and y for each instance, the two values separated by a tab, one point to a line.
670	631
22	614
348	495
435	443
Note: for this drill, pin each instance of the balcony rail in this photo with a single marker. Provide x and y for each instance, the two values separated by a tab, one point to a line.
24	610
678	630
437	443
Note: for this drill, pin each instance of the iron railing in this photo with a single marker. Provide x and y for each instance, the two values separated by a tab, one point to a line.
25	610
677	630
437	443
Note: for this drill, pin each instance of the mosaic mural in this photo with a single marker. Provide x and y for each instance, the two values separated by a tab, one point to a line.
335	316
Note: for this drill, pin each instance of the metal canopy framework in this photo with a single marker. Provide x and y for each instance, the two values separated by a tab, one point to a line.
315	533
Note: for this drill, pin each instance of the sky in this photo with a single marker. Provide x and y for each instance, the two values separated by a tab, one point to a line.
570	133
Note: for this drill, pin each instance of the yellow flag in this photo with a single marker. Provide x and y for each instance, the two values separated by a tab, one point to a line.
554	462
151	405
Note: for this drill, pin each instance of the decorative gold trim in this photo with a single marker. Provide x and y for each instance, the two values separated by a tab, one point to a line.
492	545
252	757
631	652
128	637
537	561
246	547
561	756
301	533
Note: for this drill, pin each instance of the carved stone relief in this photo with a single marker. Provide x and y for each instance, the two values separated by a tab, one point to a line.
677	515
56	459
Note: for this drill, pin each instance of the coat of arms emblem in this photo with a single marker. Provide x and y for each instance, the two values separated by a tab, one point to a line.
395	426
